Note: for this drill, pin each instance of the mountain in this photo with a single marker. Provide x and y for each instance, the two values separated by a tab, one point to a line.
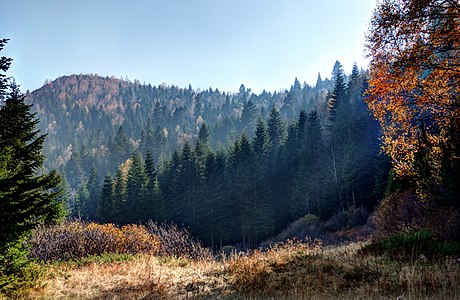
231	167
100	120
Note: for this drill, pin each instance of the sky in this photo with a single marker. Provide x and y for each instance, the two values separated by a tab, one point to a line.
263	44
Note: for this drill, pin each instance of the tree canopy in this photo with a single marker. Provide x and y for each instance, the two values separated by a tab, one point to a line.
414	88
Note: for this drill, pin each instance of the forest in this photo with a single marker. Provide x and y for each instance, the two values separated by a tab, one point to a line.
345	189
232	168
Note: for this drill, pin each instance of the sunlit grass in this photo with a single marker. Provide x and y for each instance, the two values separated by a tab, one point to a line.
292	270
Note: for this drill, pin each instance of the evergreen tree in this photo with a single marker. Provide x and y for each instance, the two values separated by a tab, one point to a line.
203	134
120	148
275	128
197	106
105	204
154	198
338	92
261	142
119	213
5	63
248	116
136	190
28	197
94	194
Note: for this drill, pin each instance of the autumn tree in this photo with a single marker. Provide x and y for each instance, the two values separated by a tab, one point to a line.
414	88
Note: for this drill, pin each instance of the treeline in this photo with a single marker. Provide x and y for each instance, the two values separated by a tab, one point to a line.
320	163
93	120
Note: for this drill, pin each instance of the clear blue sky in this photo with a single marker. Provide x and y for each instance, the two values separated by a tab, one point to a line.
263	44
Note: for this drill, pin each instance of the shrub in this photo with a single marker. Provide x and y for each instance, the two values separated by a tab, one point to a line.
178	242
404	212
79	239
338	221
413	245
16	270
397	213
357	217
227	251
305	227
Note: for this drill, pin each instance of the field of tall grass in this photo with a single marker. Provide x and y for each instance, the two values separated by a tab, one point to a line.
165	262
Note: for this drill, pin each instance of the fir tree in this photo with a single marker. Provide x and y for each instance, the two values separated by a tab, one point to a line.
28	197
105	204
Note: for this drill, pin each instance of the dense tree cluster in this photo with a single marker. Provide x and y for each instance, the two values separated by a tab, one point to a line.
321	162
92	120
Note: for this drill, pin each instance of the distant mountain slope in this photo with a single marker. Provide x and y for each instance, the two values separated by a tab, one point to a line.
89	117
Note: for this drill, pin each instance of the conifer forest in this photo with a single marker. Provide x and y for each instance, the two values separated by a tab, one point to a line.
347	188
233	168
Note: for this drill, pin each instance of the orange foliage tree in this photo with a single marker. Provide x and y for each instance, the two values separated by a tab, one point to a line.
414	86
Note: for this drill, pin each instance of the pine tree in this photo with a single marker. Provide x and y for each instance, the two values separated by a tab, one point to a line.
27	197
5	63
119	213
136	189
261	142
94	193
275	128
203	134
120	148
105	204
338	92
248	116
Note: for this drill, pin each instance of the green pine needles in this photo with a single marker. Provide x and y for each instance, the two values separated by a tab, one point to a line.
28	195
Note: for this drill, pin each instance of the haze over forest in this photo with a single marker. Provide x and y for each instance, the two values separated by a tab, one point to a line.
344	185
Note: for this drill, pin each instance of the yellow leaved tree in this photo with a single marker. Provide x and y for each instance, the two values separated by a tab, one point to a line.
414	92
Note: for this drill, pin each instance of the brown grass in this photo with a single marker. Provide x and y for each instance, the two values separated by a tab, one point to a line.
289	271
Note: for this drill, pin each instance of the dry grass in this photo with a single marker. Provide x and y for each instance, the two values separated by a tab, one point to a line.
145	277
289	271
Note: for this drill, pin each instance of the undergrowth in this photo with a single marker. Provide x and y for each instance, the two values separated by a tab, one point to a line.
413	245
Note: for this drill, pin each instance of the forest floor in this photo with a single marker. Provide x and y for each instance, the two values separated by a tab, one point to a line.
289	271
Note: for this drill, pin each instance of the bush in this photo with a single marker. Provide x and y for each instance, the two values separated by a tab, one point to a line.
338	221
79	239
228	251
397	213
413	245
178	242
357	217
404	212
302	228
16	270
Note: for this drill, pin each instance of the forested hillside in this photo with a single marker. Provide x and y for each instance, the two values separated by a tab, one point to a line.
233	167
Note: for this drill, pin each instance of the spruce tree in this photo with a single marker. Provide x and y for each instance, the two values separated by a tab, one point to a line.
136	189
28	197
105	204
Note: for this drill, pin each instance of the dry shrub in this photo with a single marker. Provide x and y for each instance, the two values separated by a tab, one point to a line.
79	239
444	222
177	242
404	212
397	213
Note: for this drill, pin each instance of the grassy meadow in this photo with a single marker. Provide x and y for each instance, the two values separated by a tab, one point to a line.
169	264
